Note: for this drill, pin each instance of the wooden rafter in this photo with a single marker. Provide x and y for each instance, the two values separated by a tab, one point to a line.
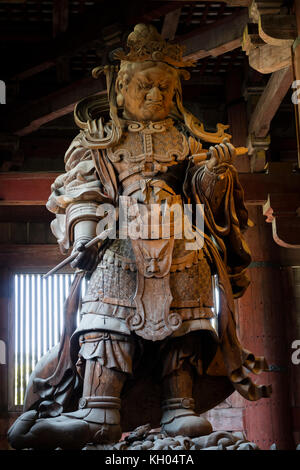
60	14
28	119
222	36
170	24
269	102
230	3
88	31
34	188
276	191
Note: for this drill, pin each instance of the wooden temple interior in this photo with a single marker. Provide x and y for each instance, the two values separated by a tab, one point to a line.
248	58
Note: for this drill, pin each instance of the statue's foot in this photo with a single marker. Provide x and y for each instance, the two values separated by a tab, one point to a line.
67	431
179	419
190	426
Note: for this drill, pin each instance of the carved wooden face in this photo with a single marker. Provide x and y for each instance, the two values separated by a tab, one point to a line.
148	95
153	257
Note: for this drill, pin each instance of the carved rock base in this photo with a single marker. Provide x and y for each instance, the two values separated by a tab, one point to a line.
218	440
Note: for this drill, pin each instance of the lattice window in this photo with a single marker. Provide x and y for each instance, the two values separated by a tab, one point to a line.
37	324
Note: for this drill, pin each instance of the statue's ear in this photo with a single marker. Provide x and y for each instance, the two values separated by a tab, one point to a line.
119	84
184	74
119	88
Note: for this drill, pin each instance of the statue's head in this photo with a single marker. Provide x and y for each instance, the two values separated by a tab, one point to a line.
149	75
146	90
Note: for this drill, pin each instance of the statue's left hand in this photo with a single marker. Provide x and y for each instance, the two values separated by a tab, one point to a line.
222	153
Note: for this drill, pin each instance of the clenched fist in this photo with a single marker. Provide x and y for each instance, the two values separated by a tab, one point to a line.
86	258
222	153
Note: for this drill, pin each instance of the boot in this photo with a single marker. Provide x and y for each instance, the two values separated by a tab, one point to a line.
180	419
96	421
102	416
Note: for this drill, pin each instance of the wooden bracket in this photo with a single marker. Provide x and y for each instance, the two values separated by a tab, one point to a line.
268	40
282	208
257	147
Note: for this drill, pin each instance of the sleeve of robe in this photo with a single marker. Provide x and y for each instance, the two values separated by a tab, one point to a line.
225	219
80	188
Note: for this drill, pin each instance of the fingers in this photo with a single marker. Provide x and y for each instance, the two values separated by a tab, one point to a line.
80	247
79	261
214	159
230	148
85	260
226	155
221	153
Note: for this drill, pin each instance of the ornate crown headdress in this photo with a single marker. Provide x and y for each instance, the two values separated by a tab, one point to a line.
145	43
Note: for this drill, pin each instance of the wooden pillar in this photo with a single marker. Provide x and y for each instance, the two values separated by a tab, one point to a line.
296	69
4	332
292	301
262	313
237	118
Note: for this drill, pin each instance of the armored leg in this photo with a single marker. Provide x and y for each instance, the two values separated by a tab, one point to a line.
100	402
179	417
105	360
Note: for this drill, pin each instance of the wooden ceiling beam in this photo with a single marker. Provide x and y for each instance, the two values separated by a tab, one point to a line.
60	17
170	24
148	11
78	37
88	31
224	35
29	118
18	188
269	102
215	39
23	189
277	191
230	3
35	257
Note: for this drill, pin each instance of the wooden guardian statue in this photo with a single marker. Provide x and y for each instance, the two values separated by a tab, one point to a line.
153	344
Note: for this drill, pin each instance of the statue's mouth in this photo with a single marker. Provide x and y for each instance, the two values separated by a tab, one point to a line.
154	104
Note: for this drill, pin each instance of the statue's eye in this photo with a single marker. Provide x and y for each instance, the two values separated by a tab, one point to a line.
164	86
144	86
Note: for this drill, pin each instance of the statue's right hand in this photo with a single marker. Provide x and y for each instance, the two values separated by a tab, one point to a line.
86	258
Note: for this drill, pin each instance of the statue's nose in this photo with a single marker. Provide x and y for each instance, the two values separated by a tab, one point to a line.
154	94
153	266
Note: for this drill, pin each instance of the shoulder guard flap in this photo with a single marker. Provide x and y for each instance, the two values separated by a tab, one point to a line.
91	108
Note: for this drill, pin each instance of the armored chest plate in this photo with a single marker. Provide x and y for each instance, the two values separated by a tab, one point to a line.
148	148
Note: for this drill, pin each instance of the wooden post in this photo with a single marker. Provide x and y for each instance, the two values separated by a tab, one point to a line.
4	334
296	70
262	317
237	118
291	288
60	16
